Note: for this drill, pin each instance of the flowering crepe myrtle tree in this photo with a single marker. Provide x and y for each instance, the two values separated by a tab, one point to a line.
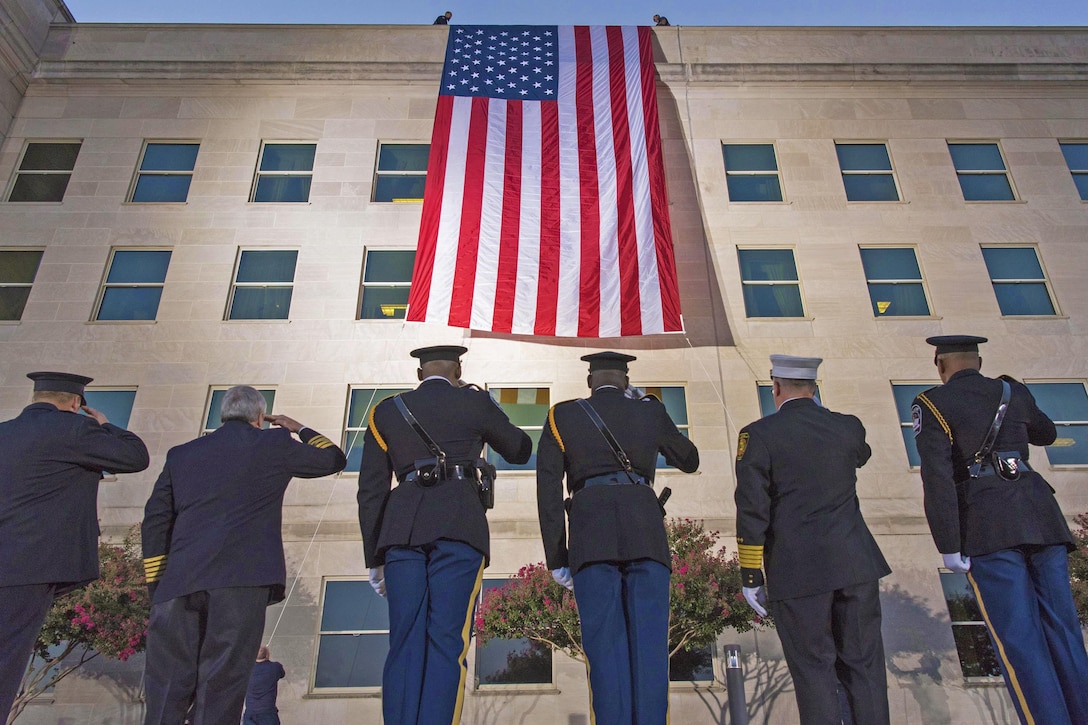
1078	568
107	617
704	599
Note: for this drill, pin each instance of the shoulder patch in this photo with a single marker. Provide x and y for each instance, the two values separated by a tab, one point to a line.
742	445
916	418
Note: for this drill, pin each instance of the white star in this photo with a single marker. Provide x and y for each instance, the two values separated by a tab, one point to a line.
487	81
525	78
523	91
548	91
451	86
536	70
512	84
489	68
499	89
548	78
475	75
474	89
537	84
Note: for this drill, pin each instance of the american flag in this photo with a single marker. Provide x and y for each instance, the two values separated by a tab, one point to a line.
545	210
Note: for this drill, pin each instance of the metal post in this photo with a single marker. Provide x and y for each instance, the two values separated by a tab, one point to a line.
734	686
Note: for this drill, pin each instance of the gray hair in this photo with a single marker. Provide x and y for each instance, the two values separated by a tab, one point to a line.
242	403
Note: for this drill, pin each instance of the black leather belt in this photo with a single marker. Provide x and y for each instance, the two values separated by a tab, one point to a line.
1019	463
453	473
616	478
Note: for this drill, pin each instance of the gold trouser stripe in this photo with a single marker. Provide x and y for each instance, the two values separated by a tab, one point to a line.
937	414
555	430
1001	652
320	441
374	429
750	555
466	637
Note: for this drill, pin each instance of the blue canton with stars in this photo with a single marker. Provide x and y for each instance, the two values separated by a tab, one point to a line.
519	62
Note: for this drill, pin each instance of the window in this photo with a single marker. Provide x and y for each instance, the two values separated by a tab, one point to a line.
115	403
895	281
751	172
18	268
262	287
165	172
695	666
133	284
1076	156
44	171
353	638
527	408
676	405
770	283
1019	281
284	172
765	391
402	172
981	171
360	403
867	172
511	661
215	406
1067	405
976	653
387	278
905	393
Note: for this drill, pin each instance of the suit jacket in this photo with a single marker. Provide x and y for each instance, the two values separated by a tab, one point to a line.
987	514
50	464
213	519
797	497
461	421
607	523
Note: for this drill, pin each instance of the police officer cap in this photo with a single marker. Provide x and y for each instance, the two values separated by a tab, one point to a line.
60	383
794	368
955	343
608	361
426	355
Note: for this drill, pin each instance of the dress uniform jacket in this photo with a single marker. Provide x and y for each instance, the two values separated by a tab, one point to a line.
607	523
987	514
461	421
50	464
214	517
796	496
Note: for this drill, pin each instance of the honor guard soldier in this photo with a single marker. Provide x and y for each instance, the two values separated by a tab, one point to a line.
213	556
607	447
996	519
798	514
51	460
426	541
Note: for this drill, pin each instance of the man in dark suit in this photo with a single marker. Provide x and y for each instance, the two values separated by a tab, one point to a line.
618	550
213	556
426	541
798	514
51	460
1002	526
443	19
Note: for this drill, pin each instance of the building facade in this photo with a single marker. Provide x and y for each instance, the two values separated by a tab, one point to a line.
191	207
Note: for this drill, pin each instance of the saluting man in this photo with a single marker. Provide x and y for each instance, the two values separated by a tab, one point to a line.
618	551
426	541
51	460
1004	528
798	514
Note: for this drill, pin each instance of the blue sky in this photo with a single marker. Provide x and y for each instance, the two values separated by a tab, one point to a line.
580	12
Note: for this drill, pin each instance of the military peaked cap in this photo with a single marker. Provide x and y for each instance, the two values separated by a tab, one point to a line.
608	361
60	383
426	355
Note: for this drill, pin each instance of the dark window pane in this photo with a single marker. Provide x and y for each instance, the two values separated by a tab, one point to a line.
1081	180
139	266
890	263
863	157
13	302
976	157
288	157
696	665
215	407
749	157
986	187
351	660
1071	446
282	188
1012	263
675	402
766	400
870	187
911	445
19	266
277	266
513	662
783	300
767	265
977	658
395	188
389	266
960	598
353	606
130	303
115	404
890	300
162	188
1076	155
363	399
403	157
261	303
1061	401
1029	298
754	188
169	157
904	396
384	303
39	187
50	157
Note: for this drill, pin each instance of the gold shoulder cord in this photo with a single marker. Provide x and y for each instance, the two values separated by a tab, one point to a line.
555	429
936	414
374	429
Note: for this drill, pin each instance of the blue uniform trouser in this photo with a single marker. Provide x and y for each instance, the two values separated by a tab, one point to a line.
1025	599
432	591
23	609
624	610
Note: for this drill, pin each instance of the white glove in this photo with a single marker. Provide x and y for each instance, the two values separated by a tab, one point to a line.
756	598
957	562
377	580
563	578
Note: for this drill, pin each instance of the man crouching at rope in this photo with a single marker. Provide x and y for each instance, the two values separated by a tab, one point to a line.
213	556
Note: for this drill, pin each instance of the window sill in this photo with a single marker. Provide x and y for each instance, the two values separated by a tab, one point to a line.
35	203
994	201
1034	317
779	319
121	322
984	681
379	319
701	685
1068	466
851	202
339	694
279	203
500	690
761	203
909	318
257	320
156	203
11	322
